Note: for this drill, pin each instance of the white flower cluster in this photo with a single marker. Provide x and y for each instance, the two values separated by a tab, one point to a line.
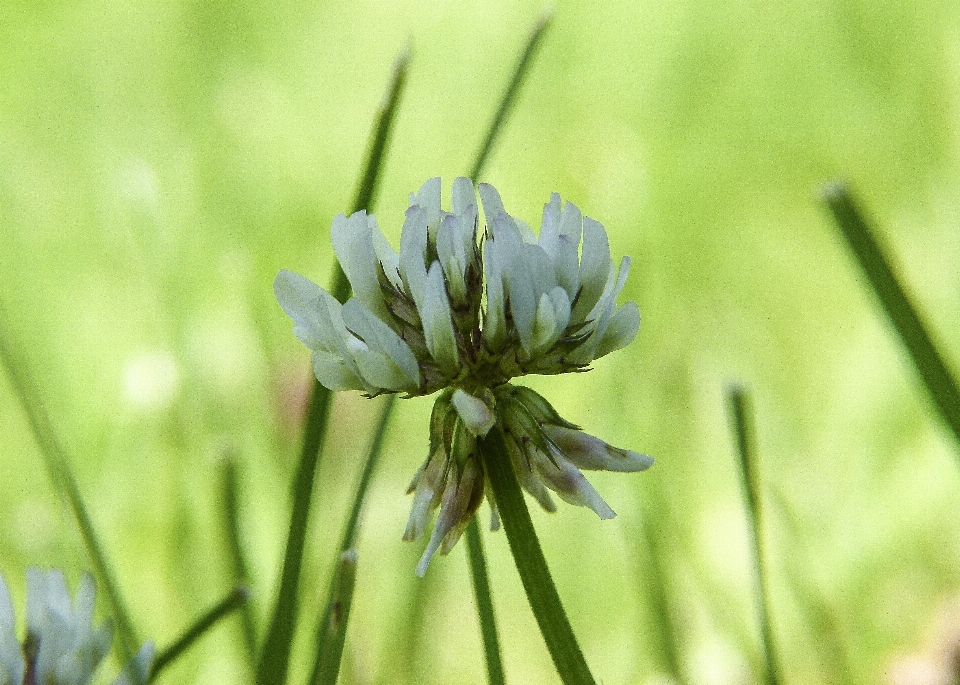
417	322
62	646
465	311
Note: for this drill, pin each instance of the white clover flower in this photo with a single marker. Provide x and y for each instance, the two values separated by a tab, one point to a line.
62	647
464	312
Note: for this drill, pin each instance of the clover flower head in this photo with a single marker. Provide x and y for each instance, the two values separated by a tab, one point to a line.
62	647
464	311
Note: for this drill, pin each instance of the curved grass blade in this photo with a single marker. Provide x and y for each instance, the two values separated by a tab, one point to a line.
904	316
230	502
235	600
509	95
58	467
275	653
753	496
534	574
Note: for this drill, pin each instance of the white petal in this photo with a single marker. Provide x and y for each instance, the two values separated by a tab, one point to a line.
494	323
571	222
530	482
427	495
526	232
566	480
429	198
413	252
437	324
379	371
476	415
587	452
545	324
383	339
566	265
594	267
389	259
353	244
12	664
452	256
458	496
550	225
622	329
298	296
522	294
334	334
333	373
492	204
463	196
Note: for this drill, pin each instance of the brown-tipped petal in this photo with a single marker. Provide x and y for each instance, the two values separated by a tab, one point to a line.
426	497
566	480
588	452
457	497
528	480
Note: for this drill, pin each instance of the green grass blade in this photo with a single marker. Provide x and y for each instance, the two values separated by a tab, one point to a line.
753	495
905	318
241	575
509	96
655	582
335	627
58	467
325	651
275	653
235	600
481	591
534	574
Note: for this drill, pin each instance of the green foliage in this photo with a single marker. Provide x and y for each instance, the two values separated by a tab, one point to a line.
160	162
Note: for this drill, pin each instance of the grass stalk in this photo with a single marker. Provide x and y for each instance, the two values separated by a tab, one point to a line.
275	653
753	496
330	647
904	316
326	652
230	498
58	467
534	574
510	94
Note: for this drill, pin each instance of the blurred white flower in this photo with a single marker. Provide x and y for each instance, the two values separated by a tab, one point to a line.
464	312
62	646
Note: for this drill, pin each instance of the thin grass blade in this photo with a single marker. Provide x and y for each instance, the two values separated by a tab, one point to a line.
275	653
325	651
331	646
655	582
481	591
753	497
58	467
904	316
509	95
235	600
229	499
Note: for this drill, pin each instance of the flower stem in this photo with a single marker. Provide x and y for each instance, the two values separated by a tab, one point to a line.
534	574
481	590
330	648
739	408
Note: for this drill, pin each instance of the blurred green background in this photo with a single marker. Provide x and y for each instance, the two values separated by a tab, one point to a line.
161	161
